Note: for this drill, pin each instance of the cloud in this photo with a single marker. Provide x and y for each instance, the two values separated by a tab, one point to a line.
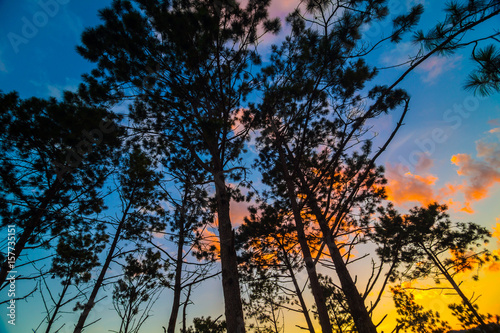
424	163
435	66
480	174
56	90
494	122
210	242
282	8
404	186
2	64
429	70
238	212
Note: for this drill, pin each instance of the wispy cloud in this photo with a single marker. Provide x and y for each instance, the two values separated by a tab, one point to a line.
56	90
494	122
282	8
429	70
480	173
399	54
436	66
3	68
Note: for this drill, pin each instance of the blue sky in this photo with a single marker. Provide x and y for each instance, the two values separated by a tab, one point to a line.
38	58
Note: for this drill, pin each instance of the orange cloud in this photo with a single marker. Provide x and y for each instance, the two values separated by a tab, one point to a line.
494	266
467	208
238	212
404	186
210	242
496	230
481	174
478	176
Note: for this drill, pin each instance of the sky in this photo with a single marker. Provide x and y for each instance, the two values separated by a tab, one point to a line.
447	151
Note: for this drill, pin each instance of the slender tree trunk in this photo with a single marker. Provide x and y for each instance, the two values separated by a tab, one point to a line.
230	279
319	299
18	248
275	320
128	319
33	223
57	307
177	283
357	307
298	292
450	279
90	303
184	310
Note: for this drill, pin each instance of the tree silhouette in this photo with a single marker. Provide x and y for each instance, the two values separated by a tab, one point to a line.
138	190
337	306
54	158
413	317
486	80
428	244
191	74
186	66
189	217
468	318
207	325
142	283
76	255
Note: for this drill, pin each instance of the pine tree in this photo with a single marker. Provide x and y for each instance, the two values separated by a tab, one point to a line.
428	244
186	64
54	158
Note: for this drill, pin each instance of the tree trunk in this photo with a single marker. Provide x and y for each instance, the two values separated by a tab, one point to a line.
57	307
90	303
319	299
298	292
33	223
230	279
18	248
357	307
447	275
184	310
177	283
